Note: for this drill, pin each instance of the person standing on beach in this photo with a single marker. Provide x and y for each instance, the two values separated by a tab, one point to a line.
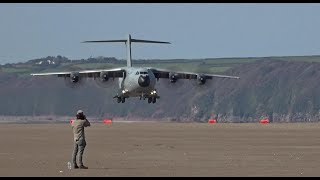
79	139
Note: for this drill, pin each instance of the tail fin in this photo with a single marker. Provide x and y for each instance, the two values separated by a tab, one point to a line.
128	42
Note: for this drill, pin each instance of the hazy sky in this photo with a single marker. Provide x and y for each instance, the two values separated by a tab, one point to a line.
204	30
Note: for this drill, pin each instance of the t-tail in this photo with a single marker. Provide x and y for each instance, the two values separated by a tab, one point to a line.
128	42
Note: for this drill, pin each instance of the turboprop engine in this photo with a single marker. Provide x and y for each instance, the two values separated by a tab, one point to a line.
201	79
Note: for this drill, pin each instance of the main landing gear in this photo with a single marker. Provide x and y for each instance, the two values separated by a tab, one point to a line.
151	99
120	99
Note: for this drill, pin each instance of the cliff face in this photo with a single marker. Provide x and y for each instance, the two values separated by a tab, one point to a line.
283	91
280	90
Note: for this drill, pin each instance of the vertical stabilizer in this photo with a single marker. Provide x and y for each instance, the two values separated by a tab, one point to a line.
128	43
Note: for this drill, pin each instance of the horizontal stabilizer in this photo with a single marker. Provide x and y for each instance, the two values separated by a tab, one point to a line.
104	41
124	40
128	42
147	41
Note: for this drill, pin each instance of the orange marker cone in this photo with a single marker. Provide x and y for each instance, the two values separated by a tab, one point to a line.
107	121
264	121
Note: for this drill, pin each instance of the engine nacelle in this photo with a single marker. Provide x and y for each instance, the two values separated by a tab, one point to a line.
104	76
75	77
173	77
201	79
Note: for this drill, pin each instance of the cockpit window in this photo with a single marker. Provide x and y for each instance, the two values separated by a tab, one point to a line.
143	72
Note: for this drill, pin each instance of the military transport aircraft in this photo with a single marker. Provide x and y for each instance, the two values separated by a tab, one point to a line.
134	81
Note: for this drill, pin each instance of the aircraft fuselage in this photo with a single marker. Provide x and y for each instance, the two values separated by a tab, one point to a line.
137	82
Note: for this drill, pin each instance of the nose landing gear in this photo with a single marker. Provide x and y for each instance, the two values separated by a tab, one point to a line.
152	97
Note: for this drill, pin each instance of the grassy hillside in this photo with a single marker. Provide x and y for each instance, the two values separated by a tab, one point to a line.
284	89
209	65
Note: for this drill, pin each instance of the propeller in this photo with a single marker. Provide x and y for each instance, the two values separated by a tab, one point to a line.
175	80
201	83
74	80
104	80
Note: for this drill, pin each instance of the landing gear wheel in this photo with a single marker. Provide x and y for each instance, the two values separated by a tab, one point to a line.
123	99
154	100
118	99
149	100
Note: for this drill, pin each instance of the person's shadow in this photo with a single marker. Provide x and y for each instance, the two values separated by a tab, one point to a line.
99	168
109	168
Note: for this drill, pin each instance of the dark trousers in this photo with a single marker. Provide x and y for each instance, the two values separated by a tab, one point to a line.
79	147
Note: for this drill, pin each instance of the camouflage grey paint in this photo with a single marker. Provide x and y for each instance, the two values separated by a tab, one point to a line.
130	83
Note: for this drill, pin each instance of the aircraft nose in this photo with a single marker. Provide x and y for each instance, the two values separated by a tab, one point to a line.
144	81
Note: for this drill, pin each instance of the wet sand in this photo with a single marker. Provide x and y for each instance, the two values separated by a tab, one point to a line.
163	149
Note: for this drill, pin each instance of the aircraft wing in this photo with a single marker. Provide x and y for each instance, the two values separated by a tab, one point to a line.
165	73
116	72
